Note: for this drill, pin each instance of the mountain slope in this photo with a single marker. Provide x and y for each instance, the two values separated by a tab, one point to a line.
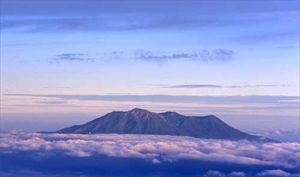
139	121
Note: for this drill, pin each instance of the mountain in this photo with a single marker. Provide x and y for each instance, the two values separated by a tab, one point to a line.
140	121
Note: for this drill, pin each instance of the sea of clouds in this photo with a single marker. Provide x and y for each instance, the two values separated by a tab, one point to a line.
152	155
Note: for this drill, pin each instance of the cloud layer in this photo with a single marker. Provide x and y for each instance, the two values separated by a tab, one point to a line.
38	154
156	149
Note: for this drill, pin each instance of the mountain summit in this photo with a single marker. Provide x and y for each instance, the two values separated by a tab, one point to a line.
140	121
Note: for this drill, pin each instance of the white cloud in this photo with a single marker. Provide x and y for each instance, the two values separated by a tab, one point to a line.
214	174
237	174
265	173
274	173
157	149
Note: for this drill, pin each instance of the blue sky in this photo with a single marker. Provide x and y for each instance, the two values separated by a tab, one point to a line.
111	49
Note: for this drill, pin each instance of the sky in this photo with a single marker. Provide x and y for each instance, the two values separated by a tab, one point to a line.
65	62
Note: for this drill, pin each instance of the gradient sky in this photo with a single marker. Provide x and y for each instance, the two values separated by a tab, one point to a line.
66	62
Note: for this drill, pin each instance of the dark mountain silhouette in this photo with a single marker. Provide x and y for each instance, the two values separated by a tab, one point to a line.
140	121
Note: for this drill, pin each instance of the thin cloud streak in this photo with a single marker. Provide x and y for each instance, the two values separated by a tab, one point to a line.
107	23
42	7
202	55
54	16
169	98
195	86
72	57
225	86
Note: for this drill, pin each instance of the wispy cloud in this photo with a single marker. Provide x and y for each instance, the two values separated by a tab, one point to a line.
51	102
72	57
108	22
171	98
224	86
195	86
55	16
203	55
40	7
257	85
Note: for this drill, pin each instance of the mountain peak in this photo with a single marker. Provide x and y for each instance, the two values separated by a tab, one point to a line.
138	110
139	113
141	121
170	113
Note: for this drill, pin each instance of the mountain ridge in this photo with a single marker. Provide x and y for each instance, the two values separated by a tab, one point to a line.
141	121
